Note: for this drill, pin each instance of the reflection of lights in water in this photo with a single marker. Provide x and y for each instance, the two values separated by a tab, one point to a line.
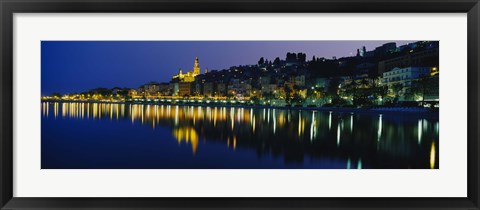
303	125
268	116
214	117
111	112
176	115
251	114
437	126
55	110
156	115
359	166
312	127
187	134
338	135
64	109
253	125
234	142
192	111
351	122
379	132
43	108
88	111
238	115
349	163
132	113
419	134
263	114
274	122
243	113
432	156
330	121
117	112
299	123
281	119
232	118
94	110
143	112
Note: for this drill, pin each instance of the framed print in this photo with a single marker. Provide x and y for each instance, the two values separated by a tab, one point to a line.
239	105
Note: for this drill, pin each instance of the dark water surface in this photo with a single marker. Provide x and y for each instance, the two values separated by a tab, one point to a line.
136	136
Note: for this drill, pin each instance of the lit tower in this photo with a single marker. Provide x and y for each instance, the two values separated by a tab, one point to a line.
196	67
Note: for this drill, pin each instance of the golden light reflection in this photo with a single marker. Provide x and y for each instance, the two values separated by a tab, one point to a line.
299	123
187	134
253	124
234	142
190	123
274	122
432	156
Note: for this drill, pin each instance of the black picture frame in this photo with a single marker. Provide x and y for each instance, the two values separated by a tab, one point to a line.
9	7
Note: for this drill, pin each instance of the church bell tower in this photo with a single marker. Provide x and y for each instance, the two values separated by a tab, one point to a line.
196	67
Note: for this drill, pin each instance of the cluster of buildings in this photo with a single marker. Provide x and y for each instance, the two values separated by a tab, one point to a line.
314	81
386	74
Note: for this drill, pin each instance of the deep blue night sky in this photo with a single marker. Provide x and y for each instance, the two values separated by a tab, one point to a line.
75	66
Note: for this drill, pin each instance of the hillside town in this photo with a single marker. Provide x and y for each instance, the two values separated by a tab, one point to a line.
389	75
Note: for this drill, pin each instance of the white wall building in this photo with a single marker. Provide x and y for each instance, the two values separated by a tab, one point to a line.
405	76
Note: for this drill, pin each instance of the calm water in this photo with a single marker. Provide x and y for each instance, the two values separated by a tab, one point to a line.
135	136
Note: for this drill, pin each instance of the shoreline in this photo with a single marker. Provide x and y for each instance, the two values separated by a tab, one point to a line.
377	110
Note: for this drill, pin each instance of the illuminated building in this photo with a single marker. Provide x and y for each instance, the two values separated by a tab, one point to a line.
428	57
405	76
184	89
190	75
208	89
221	89
132	93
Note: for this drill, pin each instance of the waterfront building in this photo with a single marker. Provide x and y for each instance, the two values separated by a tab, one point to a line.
132	93
264	84
239	88
184	89
405	76
426	57
151	89
221	89
164	89
432	93
197	88
174	88
208	89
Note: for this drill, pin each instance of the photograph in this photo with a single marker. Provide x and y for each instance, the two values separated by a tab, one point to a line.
240	104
